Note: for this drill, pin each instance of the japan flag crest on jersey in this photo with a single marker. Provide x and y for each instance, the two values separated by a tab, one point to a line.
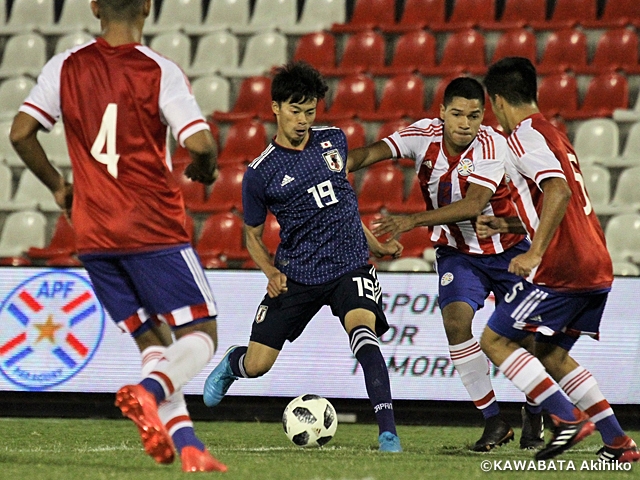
334	160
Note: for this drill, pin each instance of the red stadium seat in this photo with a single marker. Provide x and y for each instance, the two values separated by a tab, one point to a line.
63	242
414	201
605	93
415	241
354	94
368	14
387	129
354	131
617	13
317	49
402	96
271	234
194	193
417	15
413	50
387	179
464	51
438	96
63	261
363	51
254	100
558	95
516	43
568	14
565	50
468	14
617	49
519	13
221	238
245	141
226	192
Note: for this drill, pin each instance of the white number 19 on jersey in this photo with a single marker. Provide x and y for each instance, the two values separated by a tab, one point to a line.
107	135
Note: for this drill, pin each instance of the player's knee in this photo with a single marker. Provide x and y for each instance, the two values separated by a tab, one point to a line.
256	369
458	331
207	326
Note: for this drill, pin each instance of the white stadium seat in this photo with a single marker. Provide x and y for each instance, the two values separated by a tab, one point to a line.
409	264
76	15
13	91
214	51
175	46
212	94
626	199
176	15
21	231
623	237
318	15
223	14
270	15
263	51
24	54
31	194
29	15
597	141
72	40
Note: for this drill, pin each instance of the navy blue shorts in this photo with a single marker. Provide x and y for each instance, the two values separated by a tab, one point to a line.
471	278
286	316
168	284
555	317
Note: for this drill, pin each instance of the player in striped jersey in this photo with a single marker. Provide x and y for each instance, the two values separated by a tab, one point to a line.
460	166
117	98
568	269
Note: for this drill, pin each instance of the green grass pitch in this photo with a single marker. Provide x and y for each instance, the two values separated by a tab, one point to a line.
57	449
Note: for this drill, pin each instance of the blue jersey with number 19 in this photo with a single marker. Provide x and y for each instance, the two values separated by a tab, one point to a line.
321	236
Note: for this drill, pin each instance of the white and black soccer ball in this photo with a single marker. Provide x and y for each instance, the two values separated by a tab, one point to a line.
310	421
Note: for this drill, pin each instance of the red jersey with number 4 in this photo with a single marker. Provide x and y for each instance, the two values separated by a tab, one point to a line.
116	104
577	258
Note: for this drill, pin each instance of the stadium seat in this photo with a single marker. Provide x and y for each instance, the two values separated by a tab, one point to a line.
3	12
468	14
226	192
271	233
30	194
318	49
464	51
626	198
317	15
387	128
517	14
212	94
625	269
368	14
363	51
605	93
193	193
245	141
72	40
23	55
617	13
387	179
622	234
175	15
564	50
269	15
175	46
438	97
54	143
262	52
28	15
215	51
558	95
354	95
221	238
6	183
568	14
413	50
354	131
402	96
21	231
617	49
596	140
62	244
415	241
518	42
253	100
222	15
597	182
417	15
628	114
76	16
409	264
7	152
414	201
630	156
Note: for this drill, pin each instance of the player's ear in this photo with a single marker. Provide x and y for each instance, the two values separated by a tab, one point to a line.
146	9
275	107
442	110
95	9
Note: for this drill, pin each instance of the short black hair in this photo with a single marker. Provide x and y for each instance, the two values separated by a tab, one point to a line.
120	10
297	82
464	87
514	79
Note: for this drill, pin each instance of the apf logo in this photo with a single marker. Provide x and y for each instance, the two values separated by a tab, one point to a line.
52	324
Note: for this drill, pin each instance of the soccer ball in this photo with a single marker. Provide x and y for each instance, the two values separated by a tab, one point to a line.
310	421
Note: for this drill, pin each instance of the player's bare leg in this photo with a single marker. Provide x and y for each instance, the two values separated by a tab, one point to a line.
473	368
360	325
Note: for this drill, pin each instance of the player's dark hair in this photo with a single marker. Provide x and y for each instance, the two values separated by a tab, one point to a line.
297	82
514	79
464	87
120	10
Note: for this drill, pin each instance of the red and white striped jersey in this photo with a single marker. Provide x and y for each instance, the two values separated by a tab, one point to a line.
445	180
116	103
577	257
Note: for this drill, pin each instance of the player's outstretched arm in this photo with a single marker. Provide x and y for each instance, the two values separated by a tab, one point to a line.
24	137
487	225
259	253
204	154
364	156
380	249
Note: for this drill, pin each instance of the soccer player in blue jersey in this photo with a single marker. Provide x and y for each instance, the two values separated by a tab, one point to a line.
323	256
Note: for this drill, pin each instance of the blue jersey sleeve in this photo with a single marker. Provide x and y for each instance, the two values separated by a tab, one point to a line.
253	198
